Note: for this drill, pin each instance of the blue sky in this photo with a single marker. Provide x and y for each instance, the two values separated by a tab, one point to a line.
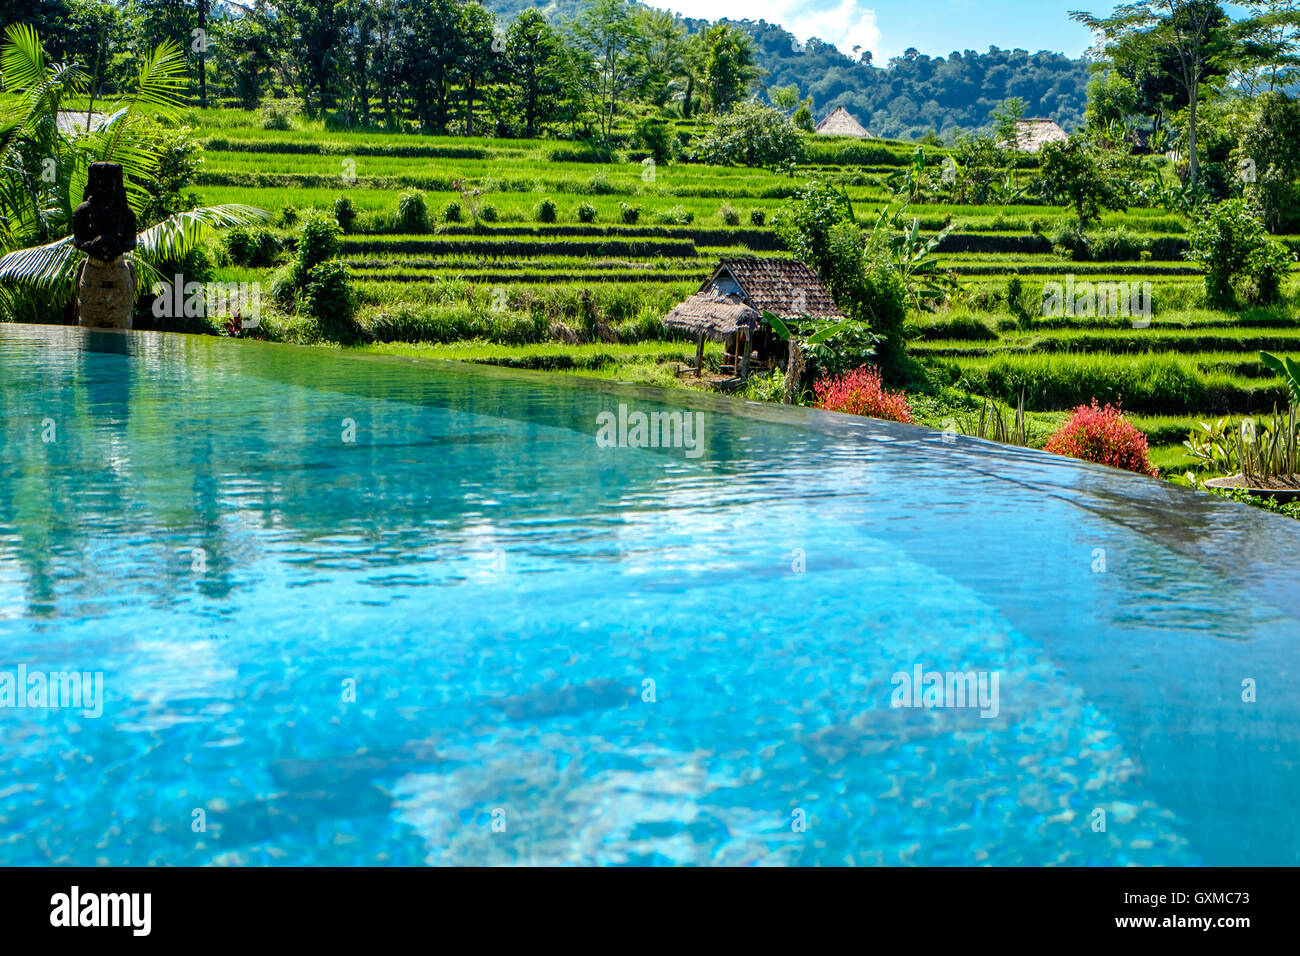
936	27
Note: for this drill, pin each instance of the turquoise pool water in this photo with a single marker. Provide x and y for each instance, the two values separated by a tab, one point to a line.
561	652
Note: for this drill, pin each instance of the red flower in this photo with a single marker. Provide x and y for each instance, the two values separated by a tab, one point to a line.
1102	435
861	392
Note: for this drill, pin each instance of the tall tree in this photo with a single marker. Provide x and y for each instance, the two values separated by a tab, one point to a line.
431	46
534	71
478	58
606	46
729	66
1198	34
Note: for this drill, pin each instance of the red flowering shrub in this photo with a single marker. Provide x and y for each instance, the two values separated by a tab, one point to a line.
1102	435
860	392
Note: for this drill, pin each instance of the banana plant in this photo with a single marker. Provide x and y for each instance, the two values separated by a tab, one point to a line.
1288	369
44	168
914	258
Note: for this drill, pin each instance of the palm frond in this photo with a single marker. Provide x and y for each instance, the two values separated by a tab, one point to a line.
158	90
41	268
23	58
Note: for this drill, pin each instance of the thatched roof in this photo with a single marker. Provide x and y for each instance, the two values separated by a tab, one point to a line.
1033	134
786	287
840	122
713	314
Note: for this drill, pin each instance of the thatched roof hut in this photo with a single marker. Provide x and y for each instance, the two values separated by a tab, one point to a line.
1033	134
730	304
714	315
840	122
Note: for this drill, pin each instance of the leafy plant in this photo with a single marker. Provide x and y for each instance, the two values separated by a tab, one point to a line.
1102	435
36	209
993	423
861	392
412	212
1233	248
1288	369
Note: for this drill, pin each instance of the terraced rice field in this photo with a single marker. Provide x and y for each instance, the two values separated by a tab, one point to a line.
484	288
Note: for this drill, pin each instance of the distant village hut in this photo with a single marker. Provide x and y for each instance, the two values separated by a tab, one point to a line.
729	308
840	122
1033	134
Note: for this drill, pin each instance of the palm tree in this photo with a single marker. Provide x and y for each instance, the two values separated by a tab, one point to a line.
44	166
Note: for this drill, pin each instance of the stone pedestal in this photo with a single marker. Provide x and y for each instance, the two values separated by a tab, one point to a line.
106	293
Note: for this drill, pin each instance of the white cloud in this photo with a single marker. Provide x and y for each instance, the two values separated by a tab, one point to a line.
843	23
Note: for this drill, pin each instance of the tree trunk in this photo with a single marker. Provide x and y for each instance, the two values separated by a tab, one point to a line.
1192	100
793	372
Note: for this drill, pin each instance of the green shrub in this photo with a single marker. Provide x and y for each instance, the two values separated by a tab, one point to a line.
1234	249
729	214
412	212
1117	245
599	184
344	214
328	297
586	212
251	247
279	114
674	216
757	217
752	135
488	212
289	216
452	211
629	214
318	239
544	211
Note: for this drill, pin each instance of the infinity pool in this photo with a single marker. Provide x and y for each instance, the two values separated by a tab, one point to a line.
360	610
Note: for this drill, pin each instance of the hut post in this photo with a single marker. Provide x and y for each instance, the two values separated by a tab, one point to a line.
742	340
699	355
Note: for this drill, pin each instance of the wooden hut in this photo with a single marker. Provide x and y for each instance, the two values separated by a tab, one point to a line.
729	308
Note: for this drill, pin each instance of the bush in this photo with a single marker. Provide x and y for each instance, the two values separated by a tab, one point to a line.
1117	245
629	214
1233	248
674	216
757	217
752	135
488	213
412	212
251	247
729	214
344	214
328	297
452	211
1102	435
544	211
318	239
586	212
279	114
861	392
655	137
599	184
289	216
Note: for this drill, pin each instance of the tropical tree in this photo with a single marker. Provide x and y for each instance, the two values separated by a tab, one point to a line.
1197	35
606	47
44	168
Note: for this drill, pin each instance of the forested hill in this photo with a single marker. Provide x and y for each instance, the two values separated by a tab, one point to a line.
909	96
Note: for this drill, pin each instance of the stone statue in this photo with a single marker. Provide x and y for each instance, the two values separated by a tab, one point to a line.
103	227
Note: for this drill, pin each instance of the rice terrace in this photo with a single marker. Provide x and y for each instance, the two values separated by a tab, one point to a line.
451	434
